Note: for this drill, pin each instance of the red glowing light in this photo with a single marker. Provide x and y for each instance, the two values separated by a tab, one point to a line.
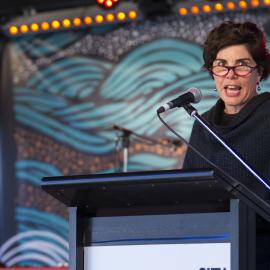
107	3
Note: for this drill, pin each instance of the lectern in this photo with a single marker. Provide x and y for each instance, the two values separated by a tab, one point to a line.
174	219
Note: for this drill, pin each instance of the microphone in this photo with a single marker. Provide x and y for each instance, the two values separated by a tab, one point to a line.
193	95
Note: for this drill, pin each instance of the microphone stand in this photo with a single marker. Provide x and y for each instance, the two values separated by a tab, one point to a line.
194	113
124	140
125	145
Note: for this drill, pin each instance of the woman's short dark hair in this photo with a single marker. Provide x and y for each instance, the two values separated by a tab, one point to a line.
231	33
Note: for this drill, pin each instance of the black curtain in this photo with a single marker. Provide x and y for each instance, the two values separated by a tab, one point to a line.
8	185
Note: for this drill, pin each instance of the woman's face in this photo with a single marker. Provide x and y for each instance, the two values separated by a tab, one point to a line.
234	90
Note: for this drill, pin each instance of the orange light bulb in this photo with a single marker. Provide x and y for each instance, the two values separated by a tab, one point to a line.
88	20
77	21
110	17
99	18
183	11
13	30
55	24
206	8
24	28
45	26
243	4
121	16
218	6
195	10
34	27
66	23
231	5
255	3
132	14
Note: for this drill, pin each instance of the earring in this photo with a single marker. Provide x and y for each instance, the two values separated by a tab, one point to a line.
258	87
215	89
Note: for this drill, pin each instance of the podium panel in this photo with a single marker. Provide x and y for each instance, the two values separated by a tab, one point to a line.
160	214
178	241
159	257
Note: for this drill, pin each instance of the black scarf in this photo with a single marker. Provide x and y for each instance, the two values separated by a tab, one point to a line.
247	132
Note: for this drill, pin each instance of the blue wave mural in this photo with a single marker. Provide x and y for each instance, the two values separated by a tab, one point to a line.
76	98
35	248
36	46
29	219
32	171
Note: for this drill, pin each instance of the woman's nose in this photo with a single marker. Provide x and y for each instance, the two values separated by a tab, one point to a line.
231	74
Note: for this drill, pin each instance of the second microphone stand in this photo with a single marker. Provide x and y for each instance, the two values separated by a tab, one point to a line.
122	143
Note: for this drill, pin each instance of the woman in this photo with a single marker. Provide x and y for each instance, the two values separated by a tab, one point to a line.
237	59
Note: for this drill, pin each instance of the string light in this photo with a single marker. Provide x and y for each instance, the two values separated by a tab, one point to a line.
110	17
206	8
45	26
24	28
255	3
99	18
55	24
87	20
132	14
13	30
121	16
34	27
107	3
77	22
218	6
195	10
71	22
243	4
183	11
231	5
66	23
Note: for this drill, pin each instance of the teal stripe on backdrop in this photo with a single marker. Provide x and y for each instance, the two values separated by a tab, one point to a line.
33	170
32	218
43	45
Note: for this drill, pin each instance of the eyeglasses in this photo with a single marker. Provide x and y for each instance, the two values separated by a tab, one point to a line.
241	71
